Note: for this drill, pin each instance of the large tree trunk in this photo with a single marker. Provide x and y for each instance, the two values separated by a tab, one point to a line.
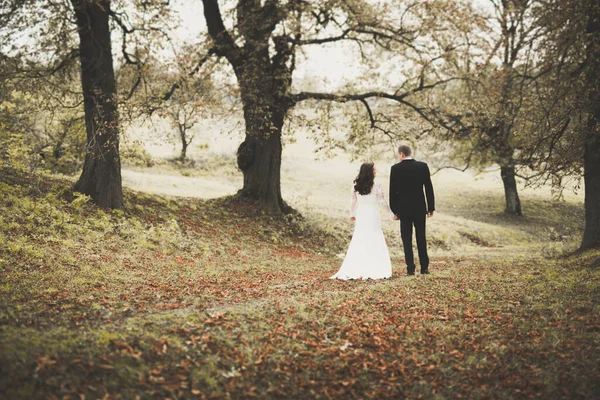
262	174
264	76
591	177
259	157
507	172
101	176
591	156
511	195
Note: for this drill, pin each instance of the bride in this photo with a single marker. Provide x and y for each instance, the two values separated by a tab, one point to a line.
367	256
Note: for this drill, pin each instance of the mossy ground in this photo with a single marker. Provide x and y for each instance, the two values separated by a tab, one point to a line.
186	298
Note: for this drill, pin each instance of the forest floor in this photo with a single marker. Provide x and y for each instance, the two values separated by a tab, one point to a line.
192	298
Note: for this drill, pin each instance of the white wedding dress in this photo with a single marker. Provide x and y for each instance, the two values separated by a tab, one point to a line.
367	256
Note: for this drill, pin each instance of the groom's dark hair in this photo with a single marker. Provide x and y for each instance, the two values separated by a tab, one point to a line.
404	149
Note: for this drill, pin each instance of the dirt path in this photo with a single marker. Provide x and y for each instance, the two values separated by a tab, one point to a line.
178	185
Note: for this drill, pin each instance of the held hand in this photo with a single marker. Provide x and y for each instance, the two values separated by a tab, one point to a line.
352	218
395	217
430	214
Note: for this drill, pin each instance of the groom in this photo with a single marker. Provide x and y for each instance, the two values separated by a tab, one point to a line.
407	201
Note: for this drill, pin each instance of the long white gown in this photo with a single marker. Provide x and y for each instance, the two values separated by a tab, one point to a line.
367	256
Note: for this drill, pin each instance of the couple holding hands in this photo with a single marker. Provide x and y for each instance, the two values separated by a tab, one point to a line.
411	202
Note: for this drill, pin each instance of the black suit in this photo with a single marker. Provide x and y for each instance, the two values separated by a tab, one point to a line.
408	178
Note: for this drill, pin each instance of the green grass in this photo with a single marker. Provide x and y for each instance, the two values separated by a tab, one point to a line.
189	298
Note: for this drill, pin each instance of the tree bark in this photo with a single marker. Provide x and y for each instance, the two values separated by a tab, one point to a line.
591	155
511	195
505	153
591	178
259	156
101	176
183	154
184	143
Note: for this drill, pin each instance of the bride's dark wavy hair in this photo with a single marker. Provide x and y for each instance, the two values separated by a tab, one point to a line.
364	181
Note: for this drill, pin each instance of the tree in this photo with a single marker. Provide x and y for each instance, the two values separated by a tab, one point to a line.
50	25
493	101
43	132
184	116
568	109
193	100
101	175
262	49
591	154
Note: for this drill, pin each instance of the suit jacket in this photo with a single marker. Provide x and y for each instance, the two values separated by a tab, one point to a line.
407	180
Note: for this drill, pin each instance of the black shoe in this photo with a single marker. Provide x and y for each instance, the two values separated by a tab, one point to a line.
410	273
425	272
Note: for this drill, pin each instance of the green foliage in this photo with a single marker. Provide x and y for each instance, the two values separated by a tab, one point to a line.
135	154
80	201
41	104
36	133
14	148
14	151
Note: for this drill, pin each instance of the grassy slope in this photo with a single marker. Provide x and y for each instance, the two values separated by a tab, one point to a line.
193	298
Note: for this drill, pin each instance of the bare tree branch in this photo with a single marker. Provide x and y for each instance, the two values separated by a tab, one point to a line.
430	115
117	18
342	36
224	44
364	101
298	97
194	71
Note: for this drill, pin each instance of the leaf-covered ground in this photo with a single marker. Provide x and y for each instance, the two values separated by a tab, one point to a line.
184	298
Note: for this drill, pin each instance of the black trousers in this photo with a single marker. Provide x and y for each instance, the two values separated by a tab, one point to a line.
406	230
